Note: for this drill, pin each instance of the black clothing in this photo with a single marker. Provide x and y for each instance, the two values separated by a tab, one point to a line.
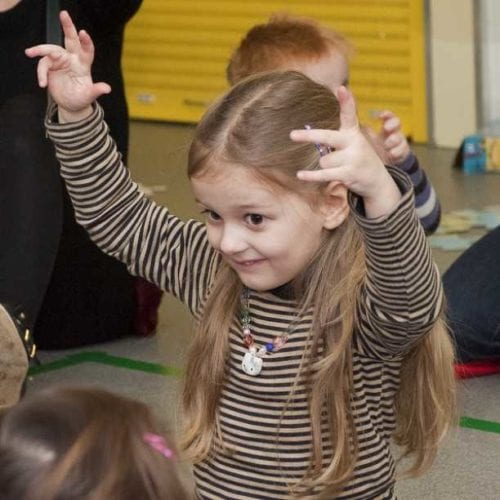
48	265
472	288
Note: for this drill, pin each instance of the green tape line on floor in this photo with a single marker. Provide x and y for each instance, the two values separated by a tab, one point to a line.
105	359
480	425
158	369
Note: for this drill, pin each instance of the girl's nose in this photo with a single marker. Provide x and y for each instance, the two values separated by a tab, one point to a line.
231	241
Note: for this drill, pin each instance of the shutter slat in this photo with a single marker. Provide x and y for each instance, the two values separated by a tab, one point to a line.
176	54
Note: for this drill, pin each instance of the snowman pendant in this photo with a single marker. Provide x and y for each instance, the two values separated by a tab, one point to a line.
251	364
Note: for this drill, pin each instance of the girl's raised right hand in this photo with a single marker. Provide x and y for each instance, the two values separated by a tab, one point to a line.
65	71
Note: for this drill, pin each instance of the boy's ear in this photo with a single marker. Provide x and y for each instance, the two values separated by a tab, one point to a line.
334	205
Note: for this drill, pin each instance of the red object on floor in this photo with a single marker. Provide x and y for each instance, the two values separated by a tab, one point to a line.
148	298
477	368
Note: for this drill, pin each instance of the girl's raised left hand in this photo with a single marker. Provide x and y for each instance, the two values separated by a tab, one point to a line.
352	161
66	71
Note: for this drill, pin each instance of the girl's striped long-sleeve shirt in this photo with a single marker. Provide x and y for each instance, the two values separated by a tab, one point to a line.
263	450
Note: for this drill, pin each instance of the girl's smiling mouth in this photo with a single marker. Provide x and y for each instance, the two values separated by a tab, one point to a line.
246	263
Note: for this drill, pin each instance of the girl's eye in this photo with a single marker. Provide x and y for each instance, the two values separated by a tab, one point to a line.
211	215
254	219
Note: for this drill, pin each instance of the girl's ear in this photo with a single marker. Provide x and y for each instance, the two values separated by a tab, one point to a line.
334	205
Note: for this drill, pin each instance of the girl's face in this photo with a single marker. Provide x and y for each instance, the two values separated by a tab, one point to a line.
267	235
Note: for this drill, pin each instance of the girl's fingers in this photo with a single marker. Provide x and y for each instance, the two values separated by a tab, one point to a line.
42	70
87	47
51	62
340	174
334	138
348	113
43	49
370	134
330	138
55	52
71	40
333	164
335	159
330	162
100	88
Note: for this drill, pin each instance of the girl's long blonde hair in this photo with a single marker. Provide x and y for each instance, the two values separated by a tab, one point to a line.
250	127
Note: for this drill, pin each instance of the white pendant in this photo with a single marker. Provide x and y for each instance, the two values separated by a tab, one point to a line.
251	364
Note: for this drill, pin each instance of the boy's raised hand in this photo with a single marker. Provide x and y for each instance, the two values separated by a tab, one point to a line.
390	143
66	71
353	161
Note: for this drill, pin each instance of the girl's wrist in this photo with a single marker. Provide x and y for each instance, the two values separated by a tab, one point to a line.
384	202
68	116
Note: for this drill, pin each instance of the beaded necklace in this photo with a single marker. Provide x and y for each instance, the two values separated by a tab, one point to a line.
253	359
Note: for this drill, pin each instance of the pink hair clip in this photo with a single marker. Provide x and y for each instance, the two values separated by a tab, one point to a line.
158	443
322	149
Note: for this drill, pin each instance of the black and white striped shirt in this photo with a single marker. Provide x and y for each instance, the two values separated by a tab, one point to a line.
401	300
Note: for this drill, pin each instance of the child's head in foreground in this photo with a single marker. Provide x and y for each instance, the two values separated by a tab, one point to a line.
287	42
85	443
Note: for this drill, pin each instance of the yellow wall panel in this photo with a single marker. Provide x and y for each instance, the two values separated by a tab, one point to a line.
176	53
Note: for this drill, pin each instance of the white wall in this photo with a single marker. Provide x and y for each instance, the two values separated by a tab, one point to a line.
489	35
453	70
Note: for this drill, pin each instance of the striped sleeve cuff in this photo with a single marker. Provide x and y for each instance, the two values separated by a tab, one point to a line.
79	131
400	215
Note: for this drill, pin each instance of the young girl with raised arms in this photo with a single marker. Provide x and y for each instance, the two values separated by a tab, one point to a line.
82	443
317	306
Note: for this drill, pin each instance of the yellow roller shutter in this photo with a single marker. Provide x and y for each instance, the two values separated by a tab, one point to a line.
176	54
